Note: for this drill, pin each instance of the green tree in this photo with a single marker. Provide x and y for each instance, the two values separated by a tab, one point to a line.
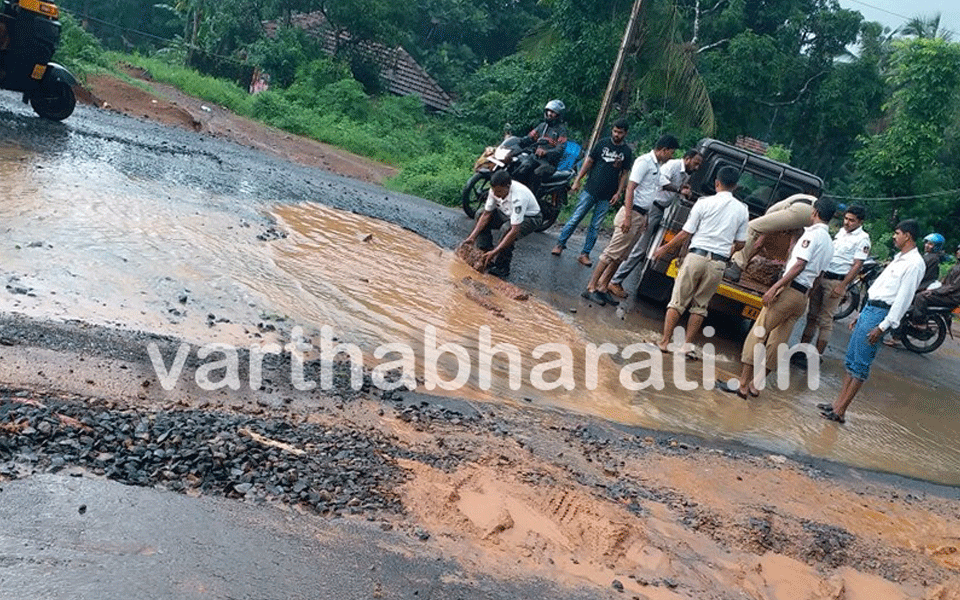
906	159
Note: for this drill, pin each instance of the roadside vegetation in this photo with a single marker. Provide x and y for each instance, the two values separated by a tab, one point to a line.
872	111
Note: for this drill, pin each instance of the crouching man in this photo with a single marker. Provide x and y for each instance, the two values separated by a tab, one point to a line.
507	202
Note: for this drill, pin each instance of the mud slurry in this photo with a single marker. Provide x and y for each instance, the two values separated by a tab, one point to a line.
515	492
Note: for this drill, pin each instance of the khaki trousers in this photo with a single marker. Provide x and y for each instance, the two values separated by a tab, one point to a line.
823	305
782	216
777	321
696	284
621	243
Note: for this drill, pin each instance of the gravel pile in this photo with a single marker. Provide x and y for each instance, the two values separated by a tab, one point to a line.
332	471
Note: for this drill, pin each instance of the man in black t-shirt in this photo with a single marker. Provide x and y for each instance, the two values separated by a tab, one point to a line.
608	165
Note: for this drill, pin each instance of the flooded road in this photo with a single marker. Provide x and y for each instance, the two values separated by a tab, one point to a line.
95	234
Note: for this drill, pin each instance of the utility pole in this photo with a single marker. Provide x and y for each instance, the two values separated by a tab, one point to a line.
628	36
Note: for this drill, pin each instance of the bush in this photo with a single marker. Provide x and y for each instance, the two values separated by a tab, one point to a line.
79	51
218	91
439	176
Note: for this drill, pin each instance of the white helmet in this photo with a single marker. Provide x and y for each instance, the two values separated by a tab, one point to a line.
556	106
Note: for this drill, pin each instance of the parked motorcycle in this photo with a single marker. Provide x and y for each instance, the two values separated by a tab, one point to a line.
29	35
928	337
856	295
551	193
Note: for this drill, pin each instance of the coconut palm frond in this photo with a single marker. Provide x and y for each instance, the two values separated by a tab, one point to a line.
925	28
674	75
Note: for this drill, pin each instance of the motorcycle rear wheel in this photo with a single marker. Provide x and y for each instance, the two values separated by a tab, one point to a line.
920	341
55	101
474	194
550	205
849	303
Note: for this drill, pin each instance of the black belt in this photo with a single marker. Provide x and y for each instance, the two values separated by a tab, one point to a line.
799	287
663	206
710	255
834	276
642	211
878	304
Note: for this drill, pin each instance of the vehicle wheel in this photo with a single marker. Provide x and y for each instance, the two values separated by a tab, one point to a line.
923	341
849	303
550	204
54	101
474	194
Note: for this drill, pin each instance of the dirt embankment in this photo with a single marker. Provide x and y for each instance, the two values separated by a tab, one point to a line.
168	105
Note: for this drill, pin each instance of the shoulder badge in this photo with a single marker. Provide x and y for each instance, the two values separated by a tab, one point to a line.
805	243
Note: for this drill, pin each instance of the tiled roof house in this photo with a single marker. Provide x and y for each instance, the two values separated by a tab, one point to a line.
399	71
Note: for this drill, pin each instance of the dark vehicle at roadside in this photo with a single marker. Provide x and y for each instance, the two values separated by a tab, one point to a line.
763	182
29	36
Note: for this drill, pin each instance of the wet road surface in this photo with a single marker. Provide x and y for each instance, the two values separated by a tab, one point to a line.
119	222
96	539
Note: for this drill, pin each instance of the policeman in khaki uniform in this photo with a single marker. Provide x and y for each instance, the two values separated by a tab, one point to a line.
507	202
786	300
717	226
792	213
851	246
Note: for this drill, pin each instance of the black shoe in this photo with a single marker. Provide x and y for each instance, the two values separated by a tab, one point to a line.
824	407
594	297
609	299
498	271
732	272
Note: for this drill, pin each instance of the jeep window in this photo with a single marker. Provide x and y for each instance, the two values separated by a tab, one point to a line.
757	190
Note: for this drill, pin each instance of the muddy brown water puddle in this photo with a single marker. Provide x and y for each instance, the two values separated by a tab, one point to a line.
83	241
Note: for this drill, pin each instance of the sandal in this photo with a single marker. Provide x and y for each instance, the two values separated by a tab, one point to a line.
824	407
725	387
832	416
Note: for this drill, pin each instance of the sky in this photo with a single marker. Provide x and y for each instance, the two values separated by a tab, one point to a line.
894	13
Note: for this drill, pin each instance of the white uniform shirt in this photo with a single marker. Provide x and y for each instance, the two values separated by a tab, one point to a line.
715	222
897	284
517	204
848	247
646	174
815	247
672	173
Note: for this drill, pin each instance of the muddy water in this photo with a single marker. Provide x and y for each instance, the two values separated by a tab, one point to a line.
84	241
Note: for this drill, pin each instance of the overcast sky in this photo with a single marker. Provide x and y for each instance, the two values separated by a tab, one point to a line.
894	13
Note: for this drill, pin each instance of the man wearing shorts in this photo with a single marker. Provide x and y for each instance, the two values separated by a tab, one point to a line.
630	221
716	227
889	298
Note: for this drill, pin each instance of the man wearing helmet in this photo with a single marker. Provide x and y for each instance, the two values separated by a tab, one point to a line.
932	257
550	141
946	294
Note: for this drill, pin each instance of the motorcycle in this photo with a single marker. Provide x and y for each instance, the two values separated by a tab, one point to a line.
928	337
551	193
29	35
856	295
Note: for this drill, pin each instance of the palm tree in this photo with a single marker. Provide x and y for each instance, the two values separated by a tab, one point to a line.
925	28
